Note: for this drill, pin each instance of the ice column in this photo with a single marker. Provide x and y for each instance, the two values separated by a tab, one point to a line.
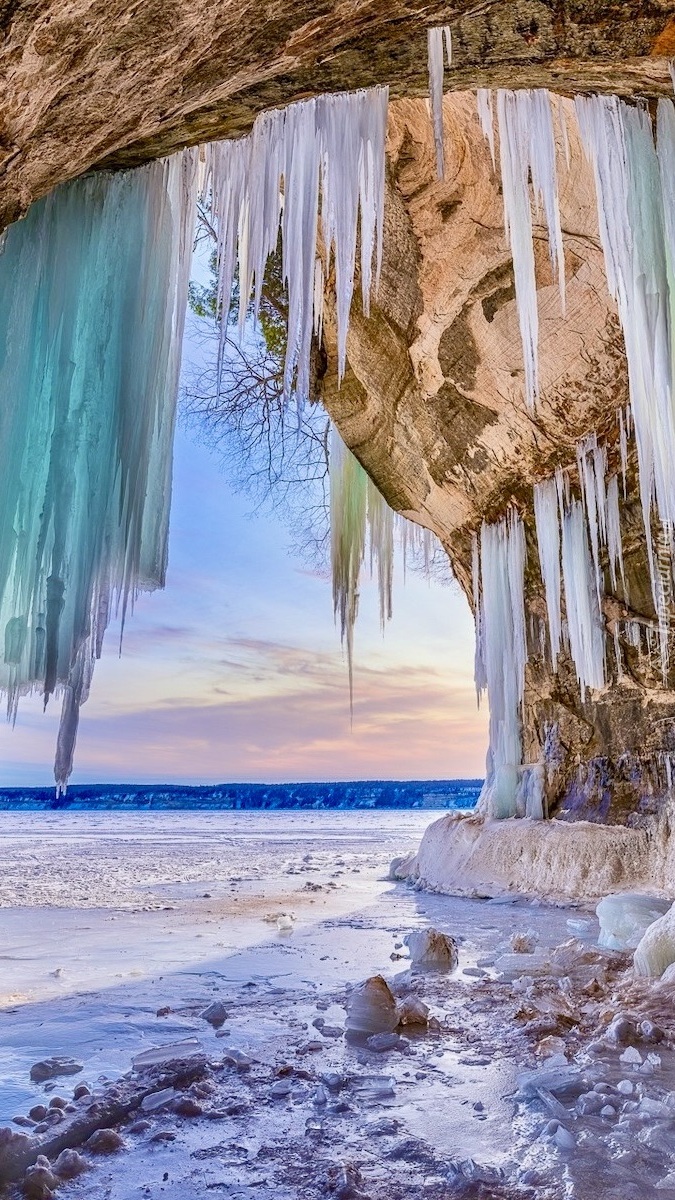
330	149
584	624
548	542
93	289
527	150
501	658
435	39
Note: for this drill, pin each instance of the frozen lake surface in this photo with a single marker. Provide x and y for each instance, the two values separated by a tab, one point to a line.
117	931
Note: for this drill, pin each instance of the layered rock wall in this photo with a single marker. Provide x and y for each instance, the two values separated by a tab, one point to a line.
117	82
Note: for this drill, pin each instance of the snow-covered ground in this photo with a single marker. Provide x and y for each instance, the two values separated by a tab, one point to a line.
116	932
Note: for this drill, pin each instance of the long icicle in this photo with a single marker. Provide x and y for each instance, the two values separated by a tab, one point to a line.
93	292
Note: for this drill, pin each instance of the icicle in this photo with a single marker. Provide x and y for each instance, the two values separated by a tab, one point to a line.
319	285
358	515
592	465
585	630
562	121
623	448
381	537
614	545
480	676
330	147
504	654
487	119
548	541
435	39
527	146
664	592
93	291
635	186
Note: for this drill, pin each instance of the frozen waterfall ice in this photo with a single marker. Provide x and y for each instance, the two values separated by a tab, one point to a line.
548	543
93	290
527	151
324	157
501	655
635	185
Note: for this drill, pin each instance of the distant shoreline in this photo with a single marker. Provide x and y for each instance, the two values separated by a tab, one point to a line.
434	794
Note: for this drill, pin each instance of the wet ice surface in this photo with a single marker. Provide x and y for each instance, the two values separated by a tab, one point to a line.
108	921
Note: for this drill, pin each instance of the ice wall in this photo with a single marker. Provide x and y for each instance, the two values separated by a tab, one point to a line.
501	655
93	289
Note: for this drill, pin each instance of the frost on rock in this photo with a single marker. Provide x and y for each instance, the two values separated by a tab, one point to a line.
438	39
527	150
318	158
501	654
625	916
93	291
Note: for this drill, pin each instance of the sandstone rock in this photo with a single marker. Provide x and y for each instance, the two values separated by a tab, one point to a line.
50	1068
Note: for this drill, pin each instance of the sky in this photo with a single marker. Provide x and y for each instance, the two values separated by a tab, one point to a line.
235	672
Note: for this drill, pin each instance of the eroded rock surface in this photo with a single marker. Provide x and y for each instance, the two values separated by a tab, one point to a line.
92	81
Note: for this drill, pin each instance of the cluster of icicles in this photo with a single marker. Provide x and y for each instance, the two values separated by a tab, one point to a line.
93	296
93	288
635	187
572	537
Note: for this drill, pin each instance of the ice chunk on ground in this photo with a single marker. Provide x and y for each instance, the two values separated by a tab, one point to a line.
625	916
656	949
432	950
371	1007
169	1052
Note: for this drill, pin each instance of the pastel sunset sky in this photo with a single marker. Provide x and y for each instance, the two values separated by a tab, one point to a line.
235	672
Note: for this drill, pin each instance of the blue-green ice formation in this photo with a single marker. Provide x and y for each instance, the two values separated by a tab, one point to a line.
93	287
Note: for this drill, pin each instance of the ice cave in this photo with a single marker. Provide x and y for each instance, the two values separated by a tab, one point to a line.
476	211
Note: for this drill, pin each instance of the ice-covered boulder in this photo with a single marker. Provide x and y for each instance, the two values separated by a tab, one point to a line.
625	916
371	1007
656	949
431	950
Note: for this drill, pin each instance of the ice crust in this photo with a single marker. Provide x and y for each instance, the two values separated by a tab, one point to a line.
93	292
